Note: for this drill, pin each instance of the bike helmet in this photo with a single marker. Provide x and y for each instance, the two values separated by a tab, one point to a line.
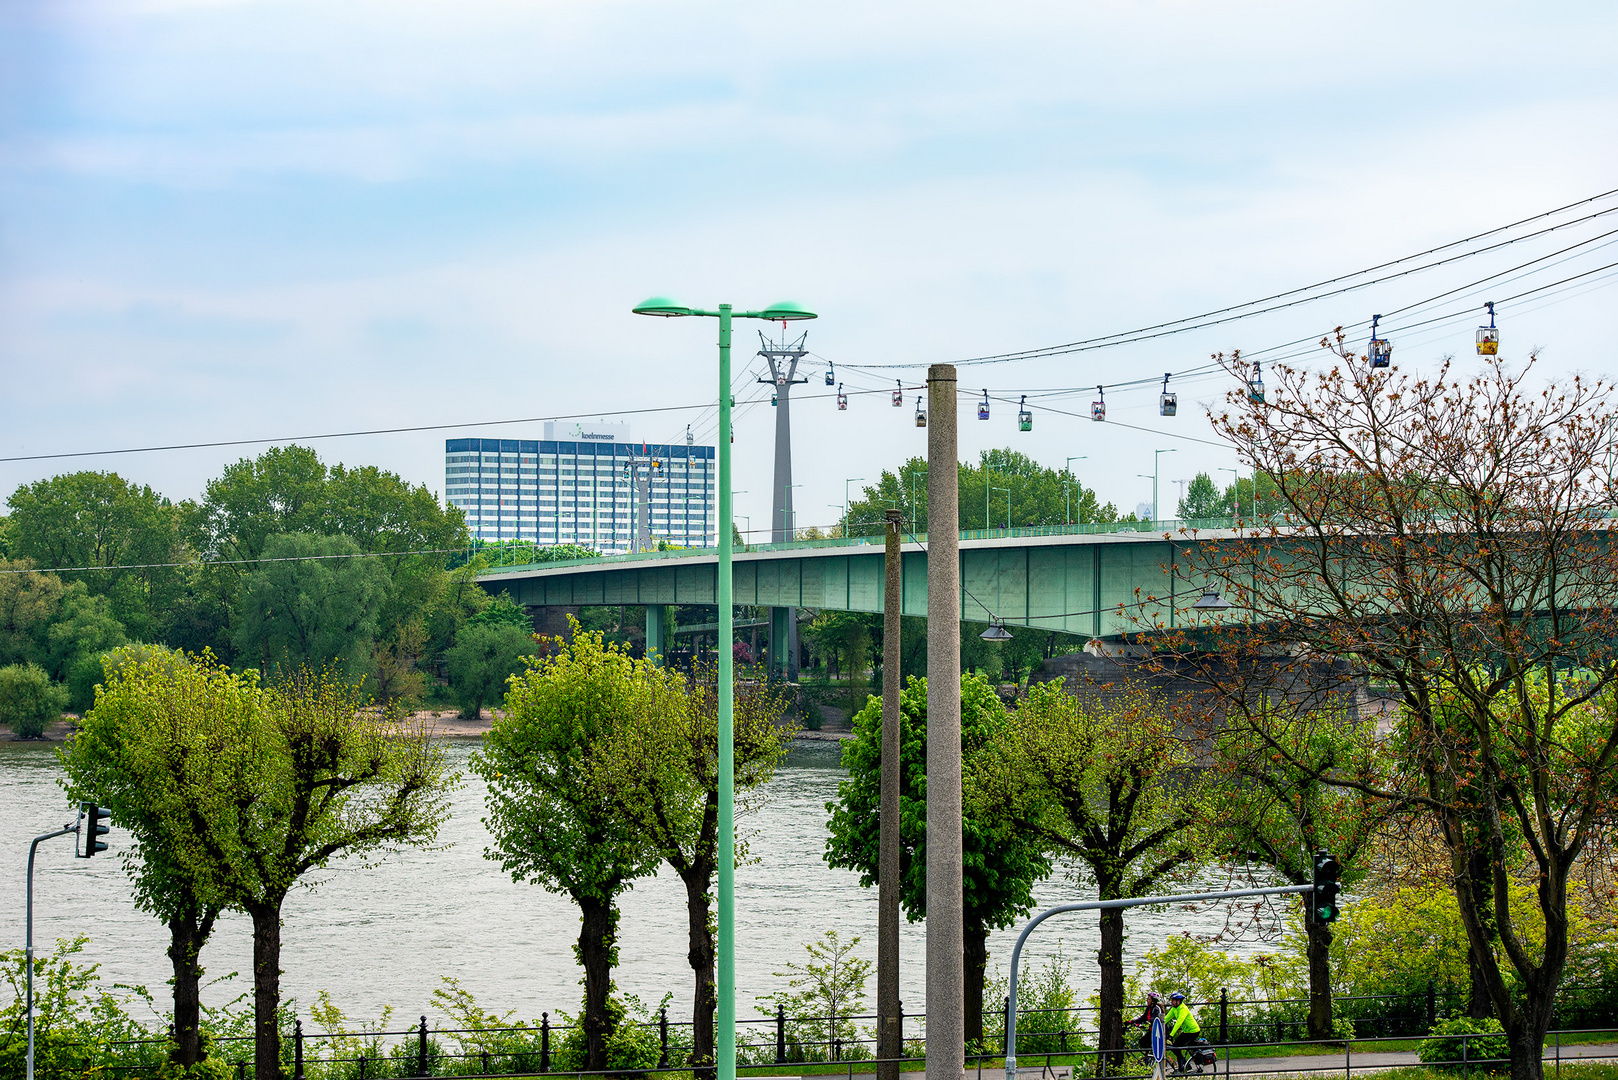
1177	996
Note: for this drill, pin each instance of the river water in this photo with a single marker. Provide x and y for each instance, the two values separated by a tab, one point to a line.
386	935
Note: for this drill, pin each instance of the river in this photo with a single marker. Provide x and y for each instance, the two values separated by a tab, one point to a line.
387	934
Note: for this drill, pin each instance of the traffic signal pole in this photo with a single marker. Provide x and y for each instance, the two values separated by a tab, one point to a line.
28	948
1108	905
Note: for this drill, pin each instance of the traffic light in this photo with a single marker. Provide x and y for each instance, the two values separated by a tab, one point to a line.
92	826
1324	899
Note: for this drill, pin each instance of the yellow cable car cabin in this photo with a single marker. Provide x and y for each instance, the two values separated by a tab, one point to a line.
921	417
1489	336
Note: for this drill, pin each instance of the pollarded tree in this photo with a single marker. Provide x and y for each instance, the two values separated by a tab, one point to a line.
678	804
562	794
1449	536
1000	864
1278	809
154	715
302	772
1109	786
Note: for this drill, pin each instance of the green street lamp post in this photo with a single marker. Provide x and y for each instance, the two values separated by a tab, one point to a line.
725	1035
1067	486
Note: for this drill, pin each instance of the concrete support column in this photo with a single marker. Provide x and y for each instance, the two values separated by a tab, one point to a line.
781	635
889	1042
946	979
655	649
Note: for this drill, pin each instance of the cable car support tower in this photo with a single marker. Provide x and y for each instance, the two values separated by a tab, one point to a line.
783	357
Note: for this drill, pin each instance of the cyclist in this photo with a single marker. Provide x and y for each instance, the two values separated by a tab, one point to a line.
1154	1007
1183	1028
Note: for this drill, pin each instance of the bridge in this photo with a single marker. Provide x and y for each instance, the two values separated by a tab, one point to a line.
1070	579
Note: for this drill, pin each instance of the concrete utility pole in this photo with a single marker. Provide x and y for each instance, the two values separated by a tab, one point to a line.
946	979
783	357
890	1043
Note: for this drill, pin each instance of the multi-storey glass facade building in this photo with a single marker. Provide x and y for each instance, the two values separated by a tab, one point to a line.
583	490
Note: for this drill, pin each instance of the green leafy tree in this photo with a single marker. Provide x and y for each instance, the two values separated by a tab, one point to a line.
83	630
678	804
100	520
1109	786
29	601
560	803
1039	496
29	701
300	773
823	993
999	865
1278	809
313	603
485	655
130	755
1203	500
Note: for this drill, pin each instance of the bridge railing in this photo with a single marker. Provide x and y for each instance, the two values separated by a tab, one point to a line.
1093	528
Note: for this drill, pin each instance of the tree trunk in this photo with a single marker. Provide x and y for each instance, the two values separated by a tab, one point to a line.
1110	961
1479	1005
975	954
266	989
701	956
1318	951
597	937
188	932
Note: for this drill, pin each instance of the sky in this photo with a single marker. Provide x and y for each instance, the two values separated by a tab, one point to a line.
245	219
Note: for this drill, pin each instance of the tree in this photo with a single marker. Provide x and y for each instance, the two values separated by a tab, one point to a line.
678	805
29	600
561	801
312	603
29	701
1039	496
1203	500
1108	785
1278	810
82	631
95	519
1447	535
485	655
999	867
153	716
302	771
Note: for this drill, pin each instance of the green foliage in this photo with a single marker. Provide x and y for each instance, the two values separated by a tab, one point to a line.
83	630
1447	1054
313	604
1046	1004
29	701
1039	496
633	1045
1266	989
1203	499
76	1019
29	600
821	995
503	611
485	655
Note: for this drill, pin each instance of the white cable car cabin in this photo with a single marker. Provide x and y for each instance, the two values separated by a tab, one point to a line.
1168	403
921	417
842	399
1098	407
1025	419
899	395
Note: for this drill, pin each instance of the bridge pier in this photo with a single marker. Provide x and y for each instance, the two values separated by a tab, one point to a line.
655	648
783	644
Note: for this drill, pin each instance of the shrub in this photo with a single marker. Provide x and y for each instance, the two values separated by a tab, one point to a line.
1046	1007
634	1043
29	701
1446	1049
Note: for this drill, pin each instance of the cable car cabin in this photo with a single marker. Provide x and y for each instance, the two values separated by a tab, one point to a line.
830	380
842	399
772	401
1255	387
899	396
1025	419
921	417
1167	403
1488	341
1098	407
781	378
983	407
1380	352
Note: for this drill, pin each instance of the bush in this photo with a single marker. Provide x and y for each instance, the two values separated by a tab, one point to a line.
1046	1007
634	1043
1446	1049
29	701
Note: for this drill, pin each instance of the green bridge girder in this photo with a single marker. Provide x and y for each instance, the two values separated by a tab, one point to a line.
1072	583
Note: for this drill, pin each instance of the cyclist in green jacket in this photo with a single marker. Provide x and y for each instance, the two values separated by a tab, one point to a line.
1183	1028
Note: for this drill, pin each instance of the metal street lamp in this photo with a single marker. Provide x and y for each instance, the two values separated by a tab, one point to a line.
1067	486
1157	456
1235	489
725	1036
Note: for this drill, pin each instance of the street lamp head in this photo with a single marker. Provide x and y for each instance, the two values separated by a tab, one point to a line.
1211	601
785	311
996	632
661	305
